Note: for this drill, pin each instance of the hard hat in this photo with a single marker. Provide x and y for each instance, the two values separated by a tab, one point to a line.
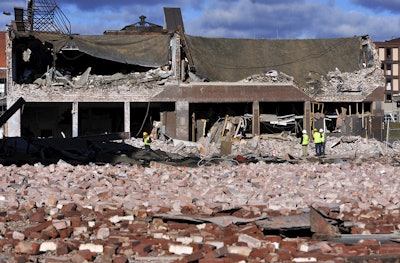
315	129
304	131
145	133
321	130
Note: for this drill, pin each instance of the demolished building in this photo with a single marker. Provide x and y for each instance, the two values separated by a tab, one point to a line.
127	80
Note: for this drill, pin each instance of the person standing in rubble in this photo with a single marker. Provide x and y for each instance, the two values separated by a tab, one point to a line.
317	142
321	131
304	143
147	141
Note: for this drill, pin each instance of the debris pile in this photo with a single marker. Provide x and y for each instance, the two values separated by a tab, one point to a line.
341	86
164	213
148	83
280	145
269	76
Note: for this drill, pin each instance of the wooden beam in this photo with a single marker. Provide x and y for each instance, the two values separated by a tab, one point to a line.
186	48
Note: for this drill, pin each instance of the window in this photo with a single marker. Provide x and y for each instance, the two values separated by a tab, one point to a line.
388	54
388	98
388	84
389	69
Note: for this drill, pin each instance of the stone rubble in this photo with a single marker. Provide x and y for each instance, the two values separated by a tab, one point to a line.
108	213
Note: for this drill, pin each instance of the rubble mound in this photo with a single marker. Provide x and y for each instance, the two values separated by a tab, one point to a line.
230	212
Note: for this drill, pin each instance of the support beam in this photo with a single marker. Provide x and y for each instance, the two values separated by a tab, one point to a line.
74	112
256	118
307	117
182	120
14	121
127	117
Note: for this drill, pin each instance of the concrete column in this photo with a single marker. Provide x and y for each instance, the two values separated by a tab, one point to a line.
74	112
182	120
176	56
307	117
127	117
256	118
13	128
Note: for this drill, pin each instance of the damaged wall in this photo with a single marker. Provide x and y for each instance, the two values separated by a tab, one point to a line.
158	73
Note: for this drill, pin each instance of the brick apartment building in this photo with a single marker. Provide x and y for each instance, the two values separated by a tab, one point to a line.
389	56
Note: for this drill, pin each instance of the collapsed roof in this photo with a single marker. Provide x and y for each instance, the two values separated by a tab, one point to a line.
322	68
223	59
142	50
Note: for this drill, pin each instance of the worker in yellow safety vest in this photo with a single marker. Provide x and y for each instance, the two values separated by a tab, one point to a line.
321	131
146	141
304	143
317	142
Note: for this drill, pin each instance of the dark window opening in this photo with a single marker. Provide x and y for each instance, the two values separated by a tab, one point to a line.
388	97
388	53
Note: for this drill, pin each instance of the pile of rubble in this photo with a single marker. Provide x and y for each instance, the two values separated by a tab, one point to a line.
253	212
271	76
338	86
280	145
55	83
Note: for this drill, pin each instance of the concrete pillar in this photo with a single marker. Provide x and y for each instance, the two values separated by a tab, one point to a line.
74	112
307	117
176	56
127	117
182	120
256	118
14	122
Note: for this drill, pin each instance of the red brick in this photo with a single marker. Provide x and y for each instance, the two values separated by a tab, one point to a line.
220	252
39	227
87	212
176	226
51	232
284	255
236	257
262	252
75	221
388	248
110	250
16	216
25	247
142	249
68	208
37	217
37	235
216	260
66	233
120	259
107	213
194	257
70	214
86	254
62	248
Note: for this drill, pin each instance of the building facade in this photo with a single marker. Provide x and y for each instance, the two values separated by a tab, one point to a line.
129	79
389	58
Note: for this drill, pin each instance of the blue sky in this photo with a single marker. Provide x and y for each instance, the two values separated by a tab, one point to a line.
282	19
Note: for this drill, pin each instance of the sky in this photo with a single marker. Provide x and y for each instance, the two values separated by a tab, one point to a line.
261	19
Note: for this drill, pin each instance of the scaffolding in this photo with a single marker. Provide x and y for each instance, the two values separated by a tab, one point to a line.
42	16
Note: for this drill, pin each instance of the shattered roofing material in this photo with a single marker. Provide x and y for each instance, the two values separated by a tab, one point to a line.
223	59
143	50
